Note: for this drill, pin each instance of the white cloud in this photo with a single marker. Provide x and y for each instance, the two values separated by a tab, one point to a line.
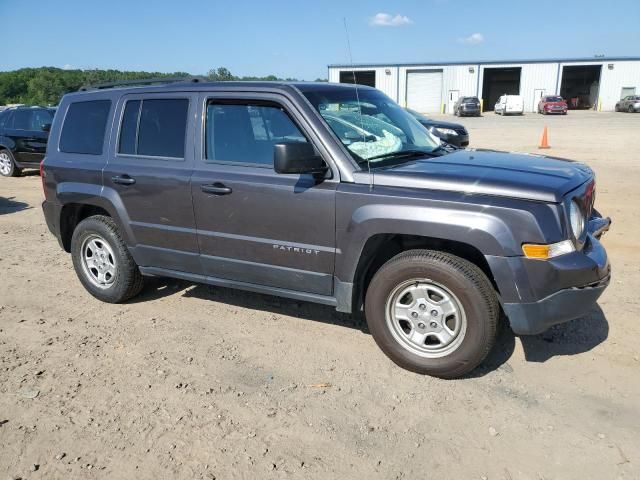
388	20
68	67
473	39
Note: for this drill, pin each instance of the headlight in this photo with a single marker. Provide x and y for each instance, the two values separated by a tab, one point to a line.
445	131
576	218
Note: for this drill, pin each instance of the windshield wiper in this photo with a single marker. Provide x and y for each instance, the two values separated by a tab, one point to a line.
400	154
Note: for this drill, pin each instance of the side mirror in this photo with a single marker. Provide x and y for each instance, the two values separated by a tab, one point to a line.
46	127
297	157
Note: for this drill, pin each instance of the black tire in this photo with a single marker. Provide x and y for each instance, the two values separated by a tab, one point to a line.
617	108
14	171
127	281
465	281
630	108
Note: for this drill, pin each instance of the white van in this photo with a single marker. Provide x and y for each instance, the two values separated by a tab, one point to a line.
509	104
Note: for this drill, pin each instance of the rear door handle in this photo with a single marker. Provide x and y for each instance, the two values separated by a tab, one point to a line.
123	180
216	189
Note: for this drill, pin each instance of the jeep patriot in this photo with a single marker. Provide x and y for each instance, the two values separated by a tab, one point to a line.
324	193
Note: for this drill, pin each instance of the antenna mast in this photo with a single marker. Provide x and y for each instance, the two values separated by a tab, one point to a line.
355	84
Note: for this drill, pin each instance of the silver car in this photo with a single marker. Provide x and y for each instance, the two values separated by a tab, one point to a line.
630	103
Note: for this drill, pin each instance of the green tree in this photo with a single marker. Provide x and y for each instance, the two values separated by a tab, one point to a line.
46	85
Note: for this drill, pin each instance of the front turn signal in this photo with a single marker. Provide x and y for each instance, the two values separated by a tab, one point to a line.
545	252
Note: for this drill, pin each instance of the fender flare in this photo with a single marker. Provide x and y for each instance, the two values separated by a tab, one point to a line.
98	196
470	225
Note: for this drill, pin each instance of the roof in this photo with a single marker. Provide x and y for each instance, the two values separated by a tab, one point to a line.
489	62
189	85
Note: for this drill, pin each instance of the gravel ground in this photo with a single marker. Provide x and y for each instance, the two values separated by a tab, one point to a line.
190	381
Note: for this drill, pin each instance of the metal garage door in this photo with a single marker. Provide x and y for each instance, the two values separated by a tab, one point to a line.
424	90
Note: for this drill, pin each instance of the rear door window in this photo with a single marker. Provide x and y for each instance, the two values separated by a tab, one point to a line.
154	128
84	127
129	130
40	118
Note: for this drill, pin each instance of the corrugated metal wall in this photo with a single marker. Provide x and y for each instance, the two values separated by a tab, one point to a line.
623	74
386	82
467	79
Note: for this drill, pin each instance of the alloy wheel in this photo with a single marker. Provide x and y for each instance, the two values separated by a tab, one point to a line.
5	164
98	261
425	318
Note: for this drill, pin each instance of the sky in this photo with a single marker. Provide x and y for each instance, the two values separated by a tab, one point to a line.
300	38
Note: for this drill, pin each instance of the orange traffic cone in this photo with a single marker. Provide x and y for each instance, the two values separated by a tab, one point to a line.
544	142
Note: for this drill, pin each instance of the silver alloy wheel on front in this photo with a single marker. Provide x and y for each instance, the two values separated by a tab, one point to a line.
426	318
98	261
5	163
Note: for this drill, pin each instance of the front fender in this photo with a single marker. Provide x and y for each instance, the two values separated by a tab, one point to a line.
493	226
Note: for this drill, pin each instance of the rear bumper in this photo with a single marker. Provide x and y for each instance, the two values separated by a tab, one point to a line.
51	213
469	111
537	294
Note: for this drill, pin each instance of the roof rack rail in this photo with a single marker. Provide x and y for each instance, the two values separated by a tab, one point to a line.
141	82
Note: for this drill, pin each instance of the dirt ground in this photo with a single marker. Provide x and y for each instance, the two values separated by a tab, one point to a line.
191	381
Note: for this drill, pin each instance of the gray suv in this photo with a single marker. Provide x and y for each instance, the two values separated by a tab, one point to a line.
325	193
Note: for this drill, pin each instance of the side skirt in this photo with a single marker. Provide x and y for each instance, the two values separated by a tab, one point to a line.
250	287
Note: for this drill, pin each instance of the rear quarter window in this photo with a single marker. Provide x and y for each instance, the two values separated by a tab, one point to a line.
84	127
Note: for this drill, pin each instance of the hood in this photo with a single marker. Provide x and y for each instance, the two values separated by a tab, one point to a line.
427	122
488	172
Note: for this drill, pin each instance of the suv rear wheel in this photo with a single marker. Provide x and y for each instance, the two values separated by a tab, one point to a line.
102	262
432	313
8	165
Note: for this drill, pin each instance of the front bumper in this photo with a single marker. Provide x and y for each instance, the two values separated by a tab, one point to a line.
536	295
569	304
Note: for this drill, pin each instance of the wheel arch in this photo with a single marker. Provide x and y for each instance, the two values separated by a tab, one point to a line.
380	248
80	201
7	144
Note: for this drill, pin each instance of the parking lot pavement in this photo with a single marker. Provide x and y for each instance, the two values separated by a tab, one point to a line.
191	381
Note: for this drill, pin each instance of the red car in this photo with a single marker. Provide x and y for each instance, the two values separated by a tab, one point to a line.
552	104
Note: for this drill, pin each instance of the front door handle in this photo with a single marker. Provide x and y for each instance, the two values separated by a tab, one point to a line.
123	180
216	189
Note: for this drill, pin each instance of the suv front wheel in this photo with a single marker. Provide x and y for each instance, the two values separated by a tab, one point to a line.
432	312
102	262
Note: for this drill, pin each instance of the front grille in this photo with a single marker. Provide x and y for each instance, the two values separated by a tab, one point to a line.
461	131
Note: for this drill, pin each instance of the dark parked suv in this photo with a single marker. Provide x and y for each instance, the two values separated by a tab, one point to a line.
23	138
451	133
258	186
467	106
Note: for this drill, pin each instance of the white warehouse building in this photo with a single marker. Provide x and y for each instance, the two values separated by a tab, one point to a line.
595	83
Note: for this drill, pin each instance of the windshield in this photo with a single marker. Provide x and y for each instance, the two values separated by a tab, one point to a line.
554	99
371	125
